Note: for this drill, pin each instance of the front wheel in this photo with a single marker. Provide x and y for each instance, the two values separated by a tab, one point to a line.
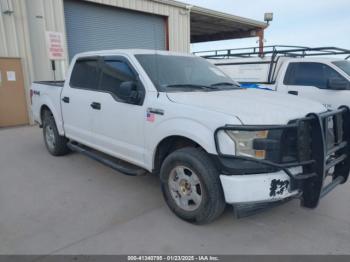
191	186
55	144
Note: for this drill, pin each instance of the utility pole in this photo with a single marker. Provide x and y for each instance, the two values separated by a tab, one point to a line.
261	42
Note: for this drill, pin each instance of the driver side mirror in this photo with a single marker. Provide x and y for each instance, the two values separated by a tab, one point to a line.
128	91
338	84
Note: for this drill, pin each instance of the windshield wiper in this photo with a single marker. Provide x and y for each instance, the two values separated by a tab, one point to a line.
204	87
191	86
225	84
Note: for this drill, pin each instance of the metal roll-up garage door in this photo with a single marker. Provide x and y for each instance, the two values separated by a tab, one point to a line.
92	27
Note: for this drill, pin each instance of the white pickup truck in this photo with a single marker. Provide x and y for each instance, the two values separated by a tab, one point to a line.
305	72
210	141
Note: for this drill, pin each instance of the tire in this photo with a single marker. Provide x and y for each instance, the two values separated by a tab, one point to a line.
181	189
55	144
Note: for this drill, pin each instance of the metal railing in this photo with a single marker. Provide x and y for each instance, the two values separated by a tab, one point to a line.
285	50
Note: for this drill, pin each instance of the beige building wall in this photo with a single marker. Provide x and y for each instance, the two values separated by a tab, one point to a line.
22	31
15	39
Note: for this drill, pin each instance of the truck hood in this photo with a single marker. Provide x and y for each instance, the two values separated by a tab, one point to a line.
251	106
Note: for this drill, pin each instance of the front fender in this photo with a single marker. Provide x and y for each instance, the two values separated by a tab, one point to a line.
188	128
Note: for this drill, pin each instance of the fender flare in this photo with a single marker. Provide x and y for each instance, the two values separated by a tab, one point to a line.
47	103
203	136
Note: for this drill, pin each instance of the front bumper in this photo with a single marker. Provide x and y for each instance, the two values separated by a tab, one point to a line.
304	178
269	187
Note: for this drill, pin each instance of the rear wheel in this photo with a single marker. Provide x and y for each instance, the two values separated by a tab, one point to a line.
55	144
191	186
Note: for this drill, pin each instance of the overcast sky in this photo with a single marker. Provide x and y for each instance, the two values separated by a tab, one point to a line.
296	22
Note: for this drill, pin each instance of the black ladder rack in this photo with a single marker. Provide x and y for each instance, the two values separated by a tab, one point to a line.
274	50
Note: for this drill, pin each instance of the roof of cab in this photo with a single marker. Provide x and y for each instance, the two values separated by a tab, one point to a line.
130	52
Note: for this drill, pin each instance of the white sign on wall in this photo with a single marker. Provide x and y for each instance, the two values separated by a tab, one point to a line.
11	76
54	43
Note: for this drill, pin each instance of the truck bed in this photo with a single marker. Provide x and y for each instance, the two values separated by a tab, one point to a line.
47	93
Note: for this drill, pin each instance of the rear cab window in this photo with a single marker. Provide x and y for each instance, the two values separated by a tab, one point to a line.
86	74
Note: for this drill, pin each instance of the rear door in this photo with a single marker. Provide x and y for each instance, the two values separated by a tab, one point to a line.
118	125
310	80
76	99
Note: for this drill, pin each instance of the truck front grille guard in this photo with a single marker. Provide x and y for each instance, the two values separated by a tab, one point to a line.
323	158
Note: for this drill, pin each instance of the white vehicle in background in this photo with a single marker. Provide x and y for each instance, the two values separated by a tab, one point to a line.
210	141
302	71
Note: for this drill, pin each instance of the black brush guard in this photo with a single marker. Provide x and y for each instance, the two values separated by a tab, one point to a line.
323	158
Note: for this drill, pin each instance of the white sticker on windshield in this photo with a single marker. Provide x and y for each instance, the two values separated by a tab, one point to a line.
217	71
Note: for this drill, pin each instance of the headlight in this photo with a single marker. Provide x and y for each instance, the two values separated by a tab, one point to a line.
244	142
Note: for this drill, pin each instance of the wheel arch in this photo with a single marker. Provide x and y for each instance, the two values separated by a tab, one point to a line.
46	107
170	144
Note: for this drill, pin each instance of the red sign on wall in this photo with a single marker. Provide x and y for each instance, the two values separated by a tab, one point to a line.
55	47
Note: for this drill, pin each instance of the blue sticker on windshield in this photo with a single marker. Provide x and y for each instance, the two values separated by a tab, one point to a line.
255	86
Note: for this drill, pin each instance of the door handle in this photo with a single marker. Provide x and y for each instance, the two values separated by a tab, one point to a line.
293	92
65	99
96	106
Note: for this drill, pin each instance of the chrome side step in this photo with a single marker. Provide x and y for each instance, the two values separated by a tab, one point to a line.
116	164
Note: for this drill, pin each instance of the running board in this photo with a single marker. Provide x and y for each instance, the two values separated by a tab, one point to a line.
116	164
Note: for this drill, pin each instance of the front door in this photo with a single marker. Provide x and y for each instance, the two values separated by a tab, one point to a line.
118	123
13	104
311	80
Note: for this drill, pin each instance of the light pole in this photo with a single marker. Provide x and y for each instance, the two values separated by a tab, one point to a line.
268	17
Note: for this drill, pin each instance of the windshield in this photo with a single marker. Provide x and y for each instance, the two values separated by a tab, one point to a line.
184	73
343	65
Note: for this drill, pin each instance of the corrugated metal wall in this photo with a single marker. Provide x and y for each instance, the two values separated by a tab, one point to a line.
92	27
45	15
15	38
22	33
179	19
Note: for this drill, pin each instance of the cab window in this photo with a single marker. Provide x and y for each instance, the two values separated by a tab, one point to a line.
115	72
310	74
85	74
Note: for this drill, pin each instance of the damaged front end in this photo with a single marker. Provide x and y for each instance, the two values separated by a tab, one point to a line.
294	161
